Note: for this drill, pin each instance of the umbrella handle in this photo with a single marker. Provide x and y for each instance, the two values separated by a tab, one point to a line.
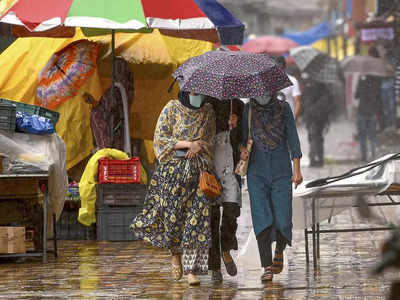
230	126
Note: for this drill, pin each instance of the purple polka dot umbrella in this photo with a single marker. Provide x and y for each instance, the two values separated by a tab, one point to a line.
231	74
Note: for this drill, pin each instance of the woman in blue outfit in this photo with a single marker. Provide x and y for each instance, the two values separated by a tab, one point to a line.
270	176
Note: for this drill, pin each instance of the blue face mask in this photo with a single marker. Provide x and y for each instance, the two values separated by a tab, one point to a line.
196	100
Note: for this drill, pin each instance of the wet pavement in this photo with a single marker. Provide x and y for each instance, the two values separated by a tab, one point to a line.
135	270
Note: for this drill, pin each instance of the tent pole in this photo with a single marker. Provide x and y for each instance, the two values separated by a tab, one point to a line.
113	101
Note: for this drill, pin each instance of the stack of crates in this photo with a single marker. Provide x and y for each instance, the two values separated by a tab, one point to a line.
7	117
68	226
120	198
117	205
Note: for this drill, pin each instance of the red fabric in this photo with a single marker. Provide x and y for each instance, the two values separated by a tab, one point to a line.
269	44
171	9
33	13
230	47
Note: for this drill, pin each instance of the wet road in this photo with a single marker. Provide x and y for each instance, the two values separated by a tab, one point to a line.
135	270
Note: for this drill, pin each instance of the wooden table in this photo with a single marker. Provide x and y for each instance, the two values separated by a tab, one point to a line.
42	178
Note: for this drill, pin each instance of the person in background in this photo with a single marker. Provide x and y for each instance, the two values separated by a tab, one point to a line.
389	105
176	213
270	176
319	107
292	93
226	156
368	93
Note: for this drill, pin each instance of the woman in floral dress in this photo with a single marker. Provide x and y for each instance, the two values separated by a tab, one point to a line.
176	214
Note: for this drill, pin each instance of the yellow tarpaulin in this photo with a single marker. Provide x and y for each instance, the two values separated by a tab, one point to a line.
322	45
152	58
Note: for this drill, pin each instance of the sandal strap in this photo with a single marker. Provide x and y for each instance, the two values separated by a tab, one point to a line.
267	275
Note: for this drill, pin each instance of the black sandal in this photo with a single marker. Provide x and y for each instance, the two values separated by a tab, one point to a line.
267	275
230	266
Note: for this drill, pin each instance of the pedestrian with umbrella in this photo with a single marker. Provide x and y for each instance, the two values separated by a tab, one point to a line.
368	92
318	110
228	75
226	156
176	214
270	124
320	74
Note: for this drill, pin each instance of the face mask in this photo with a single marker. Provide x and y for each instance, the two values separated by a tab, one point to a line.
263	100
196	100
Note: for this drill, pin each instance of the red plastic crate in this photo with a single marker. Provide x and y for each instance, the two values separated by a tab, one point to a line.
119	171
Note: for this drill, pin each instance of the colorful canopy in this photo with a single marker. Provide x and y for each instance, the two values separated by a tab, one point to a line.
201	19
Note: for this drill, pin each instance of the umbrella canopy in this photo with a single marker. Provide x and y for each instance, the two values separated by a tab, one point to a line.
303	56
231	74
366	65
270	44
201	19
319	65
65	73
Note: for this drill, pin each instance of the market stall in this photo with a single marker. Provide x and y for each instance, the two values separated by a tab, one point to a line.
33	169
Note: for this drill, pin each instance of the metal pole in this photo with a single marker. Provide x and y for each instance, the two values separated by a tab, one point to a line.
343	28
113	101
306	245
46	194
314	239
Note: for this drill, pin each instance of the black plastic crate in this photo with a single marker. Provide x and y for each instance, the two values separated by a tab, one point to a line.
113	223
120	194
69	228
7	117
33	110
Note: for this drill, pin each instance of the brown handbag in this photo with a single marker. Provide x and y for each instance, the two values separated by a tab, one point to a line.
210	185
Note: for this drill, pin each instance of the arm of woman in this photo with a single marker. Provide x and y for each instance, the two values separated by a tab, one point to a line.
297	178
207	141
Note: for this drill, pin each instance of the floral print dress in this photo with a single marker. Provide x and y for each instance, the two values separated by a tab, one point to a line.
176	213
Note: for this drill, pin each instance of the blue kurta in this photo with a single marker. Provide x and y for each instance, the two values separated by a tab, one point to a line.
269	179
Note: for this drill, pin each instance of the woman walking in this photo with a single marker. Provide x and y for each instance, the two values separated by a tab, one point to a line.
176	214
270	176
226	156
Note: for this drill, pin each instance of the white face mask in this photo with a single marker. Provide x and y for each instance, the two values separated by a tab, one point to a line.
263	100
196	100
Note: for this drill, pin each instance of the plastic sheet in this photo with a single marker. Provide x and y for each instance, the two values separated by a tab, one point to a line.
45	153
33	124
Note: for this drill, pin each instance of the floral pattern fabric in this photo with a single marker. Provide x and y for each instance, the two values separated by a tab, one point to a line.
177	123
176	214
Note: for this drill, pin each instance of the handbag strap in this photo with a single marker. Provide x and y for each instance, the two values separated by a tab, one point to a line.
249	122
